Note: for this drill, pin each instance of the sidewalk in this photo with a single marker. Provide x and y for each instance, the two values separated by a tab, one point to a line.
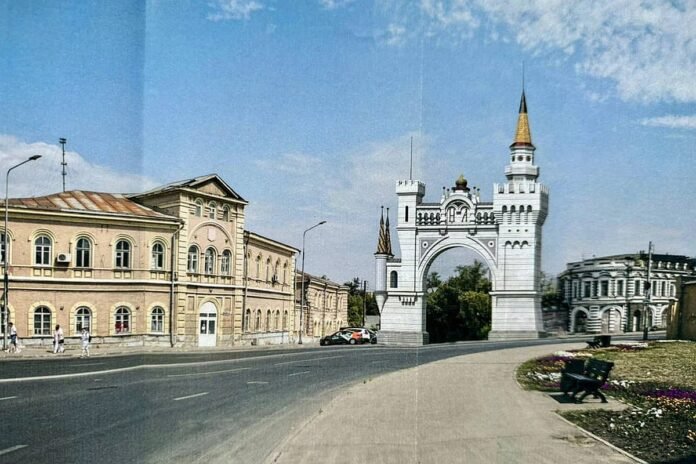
467	409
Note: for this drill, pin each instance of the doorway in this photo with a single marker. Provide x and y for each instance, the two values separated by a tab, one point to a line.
207	324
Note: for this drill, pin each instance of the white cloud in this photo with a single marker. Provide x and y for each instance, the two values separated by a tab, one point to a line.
648	49
43	176
234	9
671	121
334	4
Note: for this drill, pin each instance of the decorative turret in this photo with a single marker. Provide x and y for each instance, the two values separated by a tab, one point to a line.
383	252
387	234
461	184
521	167
384	241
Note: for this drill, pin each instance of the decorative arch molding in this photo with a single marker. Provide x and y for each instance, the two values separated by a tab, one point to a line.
30	320
39	232
82	234
73	316
133	323
211	223
448	243
574	316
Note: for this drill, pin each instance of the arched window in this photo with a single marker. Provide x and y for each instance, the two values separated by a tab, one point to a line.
192	262
83	253
257	322
285	320
157	256
247	318
42	321
225	262
198	208
122	325
123	254
212	210
268	320
210	261
268	269
275	271
225	213
393	279
157	319
276	324
2	247
83	319
285	273
42	250
258	267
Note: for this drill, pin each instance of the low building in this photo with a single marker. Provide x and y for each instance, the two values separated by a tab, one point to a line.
616	293
173	265
681	320
325	305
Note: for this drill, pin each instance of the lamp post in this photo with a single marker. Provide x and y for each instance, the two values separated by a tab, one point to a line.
302	291
6	257
648	293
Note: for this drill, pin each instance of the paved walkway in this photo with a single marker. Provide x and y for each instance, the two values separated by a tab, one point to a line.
467	409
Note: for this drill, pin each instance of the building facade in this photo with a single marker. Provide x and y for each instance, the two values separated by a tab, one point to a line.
325	305
505	232
168	266
622	293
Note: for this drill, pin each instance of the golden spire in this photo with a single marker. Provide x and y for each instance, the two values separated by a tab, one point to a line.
382	245
523	136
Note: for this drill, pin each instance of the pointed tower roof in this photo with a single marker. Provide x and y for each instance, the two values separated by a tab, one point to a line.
388	236
382	241
523	136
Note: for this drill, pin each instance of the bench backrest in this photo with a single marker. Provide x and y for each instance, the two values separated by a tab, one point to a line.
598	369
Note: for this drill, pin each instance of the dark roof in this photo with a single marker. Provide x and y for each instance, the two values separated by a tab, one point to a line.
298	278
87	202
193	183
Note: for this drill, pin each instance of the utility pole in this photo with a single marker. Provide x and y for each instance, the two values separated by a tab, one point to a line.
364	301
648	295
62	141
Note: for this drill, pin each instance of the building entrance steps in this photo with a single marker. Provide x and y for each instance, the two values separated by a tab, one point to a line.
466	409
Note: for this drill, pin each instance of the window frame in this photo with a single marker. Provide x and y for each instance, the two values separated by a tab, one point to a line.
157	319
226	263
45	319
82	313
43	250
83	255
157	258
122	316
192	259
209	261
122	254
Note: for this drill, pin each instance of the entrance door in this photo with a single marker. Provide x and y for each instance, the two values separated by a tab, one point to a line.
207	324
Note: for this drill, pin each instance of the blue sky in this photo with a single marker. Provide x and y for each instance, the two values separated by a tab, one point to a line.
307	109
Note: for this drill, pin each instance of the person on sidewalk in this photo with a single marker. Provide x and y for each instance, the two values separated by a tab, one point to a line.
13	338
86	338
58	340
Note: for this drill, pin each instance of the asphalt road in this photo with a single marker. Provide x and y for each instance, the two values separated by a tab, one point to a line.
219	407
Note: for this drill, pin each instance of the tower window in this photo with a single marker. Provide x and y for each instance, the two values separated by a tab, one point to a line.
393	279
406	214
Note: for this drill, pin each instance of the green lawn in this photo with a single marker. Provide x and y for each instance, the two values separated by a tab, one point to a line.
659	384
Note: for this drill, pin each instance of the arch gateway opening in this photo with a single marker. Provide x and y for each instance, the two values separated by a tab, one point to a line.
505	232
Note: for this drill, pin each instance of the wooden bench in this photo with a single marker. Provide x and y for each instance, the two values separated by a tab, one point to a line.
589	381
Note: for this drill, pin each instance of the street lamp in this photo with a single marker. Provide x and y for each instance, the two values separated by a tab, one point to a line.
6	257
302	297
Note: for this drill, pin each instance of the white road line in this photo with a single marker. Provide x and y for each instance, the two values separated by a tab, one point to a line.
7	398
14	448
307	360
190	396
298	373
211	372
92	364
256	382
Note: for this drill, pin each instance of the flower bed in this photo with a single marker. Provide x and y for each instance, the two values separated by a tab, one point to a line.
657	381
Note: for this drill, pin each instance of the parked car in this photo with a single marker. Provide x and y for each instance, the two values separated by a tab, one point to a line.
341	337
373	336
360	334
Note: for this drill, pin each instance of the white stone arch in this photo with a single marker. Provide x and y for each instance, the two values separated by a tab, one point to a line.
574	314
621	322
448	243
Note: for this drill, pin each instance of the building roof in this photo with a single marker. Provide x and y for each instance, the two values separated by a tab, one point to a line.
262	238
87	202
193	183
523	135
321	280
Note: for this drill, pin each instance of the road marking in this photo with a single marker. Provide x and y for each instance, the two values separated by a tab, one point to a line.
298	373
7	398
190	396
14	448
211	372
256	382
92	364
306	360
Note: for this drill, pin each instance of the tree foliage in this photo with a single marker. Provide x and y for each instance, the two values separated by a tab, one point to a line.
459	308
356	296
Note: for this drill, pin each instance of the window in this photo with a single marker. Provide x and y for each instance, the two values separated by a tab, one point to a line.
83	252
604	288
268	269
636	288
157	256
192	263
122	320
83	319
268	320
663	292
586	289
2	247
594	288
247	318
198	208
157	319
285	320
406	215
122	254
257	323
393	279
620	287
225	262
42	321
210	261
212	210
285	273
258	267
42	248
276	324
225	213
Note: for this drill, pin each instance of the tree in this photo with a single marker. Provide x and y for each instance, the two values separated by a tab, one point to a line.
459	308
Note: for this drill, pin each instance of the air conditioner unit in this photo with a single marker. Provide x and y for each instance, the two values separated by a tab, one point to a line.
63	257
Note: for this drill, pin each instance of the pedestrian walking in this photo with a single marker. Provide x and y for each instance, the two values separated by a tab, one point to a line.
13	338
58	340
86	338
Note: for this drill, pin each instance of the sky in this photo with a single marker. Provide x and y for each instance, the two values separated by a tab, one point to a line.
307	109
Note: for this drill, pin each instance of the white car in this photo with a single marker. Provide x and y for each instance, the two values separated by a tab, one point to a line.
365	336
